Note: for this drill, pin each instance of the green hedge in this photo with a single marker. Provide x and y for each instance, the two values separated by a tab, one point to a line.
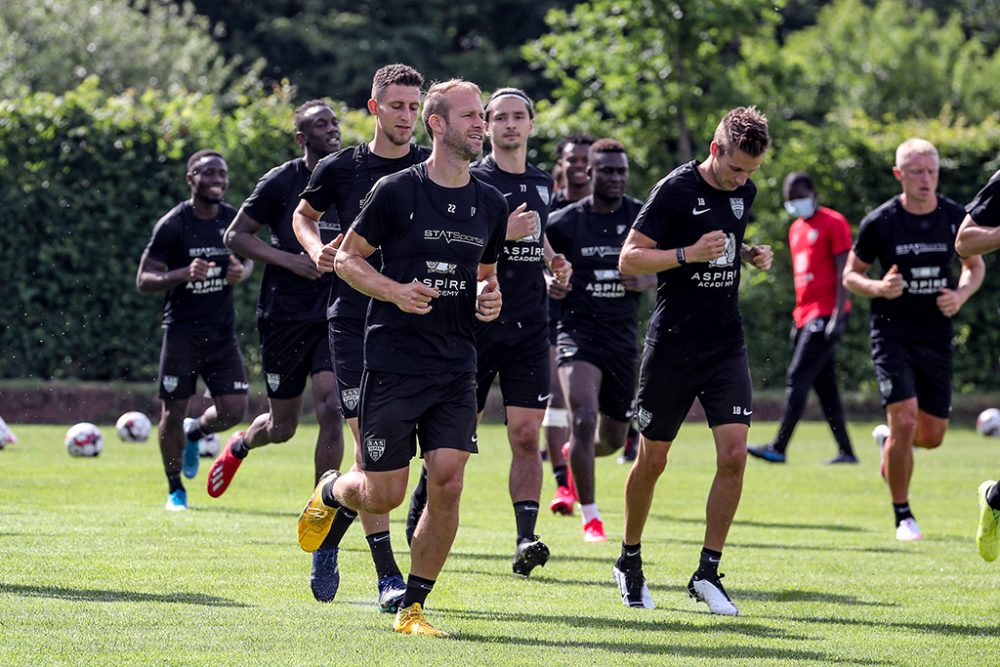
86	176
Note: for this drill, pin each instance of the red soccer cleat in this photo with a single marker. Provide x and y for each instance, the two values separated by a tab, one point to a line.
593	531
224	468
563	502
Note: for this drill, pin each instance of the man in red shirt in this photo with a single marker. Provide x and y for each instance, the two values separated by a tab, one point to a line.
819	239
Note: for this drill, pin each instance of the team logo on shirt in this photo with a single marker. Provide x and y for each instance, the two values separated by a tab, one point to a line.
925	280
170	383
643	417
273	381
441	267
621	229
736	203
728	257
349	397
375	447
543	192
601	251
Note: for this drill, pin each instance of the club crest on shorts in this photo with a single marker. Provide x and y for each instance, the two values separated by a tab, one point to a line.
273	381
543	193
375	447
349	397
170	383
643	417
736	203
885	387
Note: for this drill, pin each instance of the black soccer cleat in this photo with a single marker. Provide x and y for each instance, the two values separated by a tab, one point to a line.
529	555
632	586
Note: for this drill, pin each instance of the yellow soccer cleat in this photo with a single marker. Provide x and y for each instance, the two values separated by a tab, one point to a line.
411	621
988	533
317	517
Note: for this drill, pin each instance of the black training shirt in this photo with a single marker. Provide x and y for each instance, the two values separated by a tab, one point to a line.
985	206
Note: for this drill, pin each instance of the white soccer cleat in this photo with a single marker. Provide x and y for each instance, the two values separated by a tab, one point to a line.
880	433
711	592
908	531
632	586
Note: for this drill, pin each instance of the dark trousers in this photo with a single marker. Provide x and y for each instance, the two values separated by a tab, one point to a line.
812	366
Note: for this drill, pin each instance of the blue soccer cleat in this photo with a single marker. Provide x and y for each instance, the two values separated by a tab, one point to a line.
390	593
177	501
325	576
189	464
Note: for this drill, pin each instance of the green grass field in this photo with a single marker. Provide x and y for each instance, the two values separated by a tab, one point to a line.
93	571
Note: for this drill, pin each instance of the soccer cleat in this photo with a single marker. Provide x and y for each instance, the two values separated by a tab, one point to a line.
987	538
529	555
189	464
593	531
177	501
410	621
563	502
632	586
842	458
908	531
711	592
324	579
881	434
224	469
390	593
766	453
631	449
317	517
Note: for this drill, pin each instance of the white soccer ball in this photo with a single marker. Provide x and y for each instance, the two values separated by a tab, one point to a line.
84	439
988	422
209	445
133	427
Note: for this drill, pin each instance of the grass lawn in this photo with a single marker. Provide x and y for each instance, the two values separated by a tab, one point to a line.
93	571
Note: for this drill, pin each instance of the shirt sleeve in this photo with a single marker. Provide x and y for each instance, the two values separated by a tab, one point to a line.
163	242
654	216
374	222
494	245
985	206
267	201
866	246
321	191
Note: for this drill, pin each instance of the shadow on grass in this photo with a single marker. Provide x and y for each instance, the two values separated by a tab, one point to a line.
91	595
505	557
717	652
777	525
651	621
798	546
246	512
945	629
809	596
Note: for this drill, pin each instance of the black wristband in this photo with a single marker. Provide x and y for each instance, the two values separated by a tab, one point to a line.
681	260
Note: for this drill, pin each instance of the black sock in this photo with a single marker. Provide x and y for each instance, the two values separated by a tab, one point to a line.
417	589
779	447
708	566
174	482
342	520
381	547
196	432
326	495
239	448
902	511
993	496
559	472
631	558
525	513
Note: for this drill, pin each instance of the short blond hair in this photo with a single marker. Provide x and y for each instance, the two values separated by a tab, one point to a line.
436	101
915	146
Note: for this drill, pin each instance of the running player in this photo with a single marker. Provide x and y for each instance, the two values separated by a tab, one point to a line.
341	183
186	260
912	236
819	240
598	331
441	232
690	233
978	235
291	308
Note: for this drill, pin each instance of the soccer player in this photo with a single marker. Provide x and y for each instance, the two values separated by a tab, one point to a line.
573	160
441	232
819	240
598	331
340	183
291	308
980	234
912	236
187	261
690	232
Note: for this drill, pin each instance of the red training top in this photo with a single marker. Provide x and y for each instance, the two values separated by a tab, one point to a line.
814	243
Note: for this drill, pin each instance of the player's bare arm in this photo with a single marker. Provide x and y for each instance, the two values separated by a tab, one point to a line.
560	268
489	300
521	223
974	239
890	286
950	301
154	276
305	225
758	256
238	270
352	266
241	237
641	256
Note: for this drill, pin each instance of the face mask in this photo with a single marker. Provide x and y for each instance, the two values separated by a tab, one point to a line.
802	208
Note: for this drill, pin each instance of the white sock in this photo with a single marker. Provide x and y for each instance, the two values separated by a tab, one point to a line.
589	512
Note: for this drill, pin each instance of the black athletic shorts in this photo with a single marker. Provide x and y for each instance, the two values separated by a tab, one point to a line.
670	380
922	369
616	396
398	410
291	352
217	359
520	355
347	342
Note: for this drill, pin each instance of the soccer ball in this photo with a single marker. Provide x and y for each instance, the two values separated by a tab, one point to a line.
209	445
133	427
84	439
988	422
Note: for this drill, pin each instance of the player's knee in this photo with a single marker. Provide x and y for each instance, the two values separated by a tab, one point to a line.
732	460
930	438
447	490
282	431
524	440
652	461
328	412
585	420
